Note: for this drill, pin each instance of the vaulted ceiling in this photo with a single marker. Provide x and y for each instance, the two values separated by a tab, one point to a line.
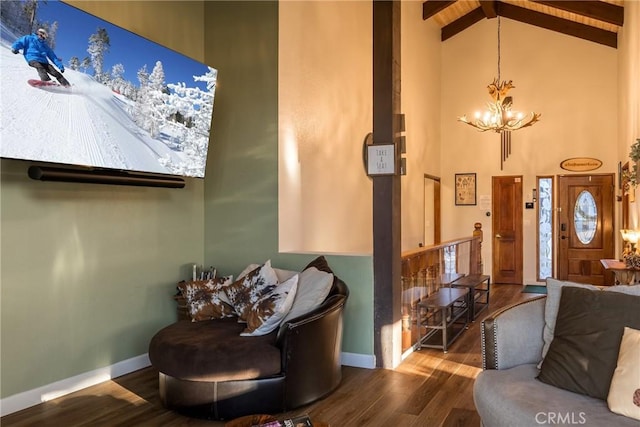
596	21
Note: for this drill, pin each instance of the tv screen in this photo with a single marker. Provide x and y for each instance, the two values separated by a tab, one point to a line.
114	100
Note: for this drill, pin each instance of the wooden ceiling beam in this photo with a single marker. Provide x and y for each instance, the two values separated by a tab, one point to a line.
461	23
564	26
431	7
489	8
602	11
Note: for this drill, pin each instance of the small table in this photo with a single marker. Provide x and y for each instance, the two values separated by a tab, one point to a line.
479	286
445	280
251	420
623	275
446	312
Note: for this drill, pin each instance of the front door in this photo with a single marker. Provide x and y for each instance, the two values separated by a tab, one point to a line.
585	227
507	253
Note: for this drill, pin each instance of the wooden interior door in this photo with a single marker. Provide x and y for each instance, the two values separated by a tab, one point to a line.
507	247
431	210
585	227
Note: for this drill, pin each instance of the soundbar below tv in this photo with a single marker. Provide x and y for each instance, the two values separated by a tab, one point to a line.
103	176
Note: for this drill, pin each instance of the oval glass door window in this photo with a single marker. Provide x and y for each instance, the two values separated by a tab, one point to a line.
585	217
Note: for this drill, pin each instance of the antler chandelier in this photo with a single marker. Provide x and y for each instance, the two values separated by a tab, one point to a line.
499	117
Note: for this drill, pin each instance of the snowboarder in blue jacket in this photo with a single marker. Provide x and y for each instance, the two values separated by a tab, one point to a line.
36	51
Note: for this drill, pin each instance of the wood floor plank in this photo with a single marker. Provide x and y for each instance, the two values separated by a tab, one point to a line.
430	388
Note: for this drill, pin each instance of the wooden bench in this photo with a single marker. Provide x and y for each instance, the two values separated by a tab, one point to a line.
479	286
445	313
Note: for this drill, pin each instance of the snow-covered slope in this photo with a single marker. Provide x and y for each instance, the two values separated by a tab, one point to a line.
88	125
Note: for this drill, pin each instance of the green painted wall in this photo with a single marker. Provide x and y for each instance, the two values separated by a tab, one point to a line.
241	189
87	271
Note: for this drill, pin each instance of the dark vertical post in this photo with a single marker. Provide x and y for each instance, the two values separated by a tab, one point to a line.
387	261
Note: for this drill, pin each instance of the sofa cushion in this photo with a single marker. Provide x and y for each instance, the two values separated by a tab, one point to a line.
624	289
213	350
282	274
313	287
583	354
248	289
624	393
513	397
205	299
266	314
321	264
554	290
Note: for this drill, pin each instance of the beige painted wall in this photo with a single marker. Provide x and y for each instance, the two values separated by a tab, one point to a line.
629	89
421	90
572	82
325	112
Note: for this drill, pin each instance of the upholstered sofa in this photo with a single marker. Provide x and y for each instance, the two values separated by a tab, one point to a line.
518	341
207	369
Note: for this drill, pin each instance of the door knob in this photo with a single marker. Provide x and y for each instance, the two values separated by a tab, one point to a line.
498	236
563	237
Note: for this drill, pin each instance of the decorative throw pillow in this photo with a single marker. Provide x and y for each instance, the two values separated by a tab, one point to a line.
624	393
623	289
313	287
247	290
267	313
249	268
583	354
321	264
554	289
206	300
283	275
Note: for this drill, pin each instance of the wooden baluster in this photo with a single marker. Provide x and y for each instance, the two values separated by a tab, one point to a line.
476	266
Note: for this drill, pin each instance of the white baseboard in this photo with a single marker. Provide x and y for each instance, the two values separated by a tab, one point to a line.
358	360
29	398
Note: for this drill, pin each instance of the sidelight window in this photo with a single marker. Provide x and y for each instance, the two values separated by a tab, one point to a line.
545	227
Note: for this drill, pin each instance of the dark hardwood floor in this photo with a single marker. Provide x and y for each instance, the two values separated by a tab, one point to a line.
429	388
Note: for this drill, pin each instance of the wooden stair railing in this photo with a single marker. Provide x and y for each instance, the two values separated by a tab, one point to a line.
423	270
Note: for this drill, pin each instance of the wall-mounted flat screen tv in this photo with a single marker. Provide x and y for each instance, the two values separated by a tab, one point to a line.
131	104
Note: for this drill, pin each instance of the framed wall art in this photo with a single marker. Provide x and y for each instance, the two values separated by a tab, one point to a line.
465	189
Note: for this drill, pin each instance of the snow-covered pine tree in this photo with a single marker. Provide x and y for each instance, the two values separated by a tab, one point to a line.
74	63
140	113
143	76
86	63
99	44
196	108
203	122
129	90
16	18
30	10
156	100
117	78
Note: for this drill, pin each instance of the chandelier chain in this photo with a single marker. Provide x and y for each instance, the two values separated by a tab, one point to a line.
498	48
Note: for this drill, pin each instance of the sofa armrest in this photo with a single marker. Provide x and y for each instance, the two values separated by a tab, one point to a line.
513	335
311	347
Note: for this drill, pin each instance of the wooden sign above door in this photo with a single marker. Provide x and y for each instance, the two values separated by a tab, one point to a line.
581	164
